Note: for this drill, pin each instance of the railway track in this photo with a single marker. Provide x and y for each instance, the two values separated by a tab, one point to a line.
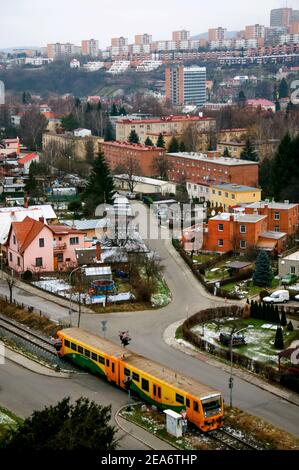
231	441
27	335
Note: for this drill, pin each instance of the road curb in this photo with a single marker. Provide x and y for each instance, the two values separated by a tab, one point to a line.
169	339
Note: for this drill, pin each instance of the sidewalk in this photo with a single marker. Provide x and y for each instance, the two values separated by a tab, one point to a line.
30	364
186	348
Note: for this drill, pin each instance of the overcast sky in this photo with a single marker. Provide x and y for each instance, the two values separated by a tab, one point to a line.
38	22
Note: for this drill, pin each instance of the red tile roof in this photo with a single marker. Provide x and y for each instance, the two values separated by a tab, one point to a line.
26	231
64	230
27	158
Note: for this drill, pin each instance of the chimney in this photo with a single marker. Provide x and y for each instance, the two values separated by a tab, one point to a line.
26	200
98	251
41	219
231	218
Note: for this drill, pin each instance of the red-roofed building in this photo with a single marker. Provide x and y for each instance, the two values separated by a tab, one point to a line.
265	105
35	246
25	162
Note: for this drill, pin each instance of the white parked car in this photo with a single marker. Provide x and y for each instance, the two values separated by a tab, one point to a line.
279	296
296	297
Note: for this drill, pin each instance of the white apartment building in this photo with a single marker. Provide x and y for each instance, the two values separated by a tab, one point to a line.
119	66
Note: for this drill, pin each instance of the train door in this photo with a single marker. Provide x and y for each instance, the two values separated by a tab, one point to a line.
111	370
157	393
193	411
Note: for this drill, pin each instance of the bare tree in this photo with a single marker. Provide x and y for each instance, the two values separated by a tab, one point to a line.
11	282
161	167
32	125
132	169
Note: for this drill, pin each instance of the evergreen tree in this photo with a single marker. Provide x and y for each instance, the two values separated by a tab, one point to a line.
173	145
277	106
89	151
122	111
114	110
263	275
242	99
226	153
82	426
276	316
100	187
133	137
26	97
249	153
160	142
70	122
290	326
108	134
283	318
182	146
149	142
283	89
278	343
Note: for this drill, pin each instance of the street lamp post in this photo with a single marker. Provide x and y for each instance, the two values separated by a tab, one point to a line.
231	379
70	306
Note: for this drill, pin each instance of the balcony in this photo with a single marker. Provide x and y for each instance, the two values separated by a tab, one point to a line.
59	247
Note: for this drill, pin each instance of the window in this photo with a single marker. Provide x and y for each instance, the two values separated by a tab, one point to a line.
219	193
243	244
195	406
220	228
276	228
180	399
220	242
112	367
74	240
80	349
38	262
86	353
242	228
10	256
94	356
293	269
127	372
135	376
233	196
187	402
277	216
41	242
19	261
214	192
154	390
73	346
226	195
145	385
60	257
101	360
107	363
14	239
66	343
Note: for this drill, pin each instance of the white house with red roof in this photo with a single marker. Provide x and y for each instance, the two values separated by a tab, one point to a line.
25	162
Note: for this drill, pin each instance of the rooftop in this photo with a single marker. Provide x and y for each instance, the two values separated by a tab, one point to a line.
132	146
292	257
166	119
249	218
236	188
143	179
273	235
98	271
272	205
27	158
201	157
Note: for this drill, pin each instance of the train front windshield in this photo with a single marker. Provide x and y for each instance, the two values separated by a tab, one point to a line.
211	406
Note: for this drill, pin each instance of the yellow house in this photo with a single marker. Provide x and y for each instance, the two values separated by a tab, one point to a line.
230	195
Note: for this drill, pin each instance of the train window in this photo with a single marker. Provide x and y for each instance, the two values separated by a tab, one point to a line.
80	349
94	356
135	376
159	392
145	385
87	353
180	399
112	364
73	346
101	360
107	363
127	372
195	406
187	402
155	390
67	343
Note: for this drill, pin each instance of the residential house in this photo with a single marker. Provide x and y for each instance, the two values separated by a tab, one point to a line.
25	162
230	195
144	185
65	242
281	216
289	264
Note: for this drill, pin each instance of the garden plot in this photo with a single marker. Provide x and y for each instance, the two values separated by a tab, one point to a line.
259	337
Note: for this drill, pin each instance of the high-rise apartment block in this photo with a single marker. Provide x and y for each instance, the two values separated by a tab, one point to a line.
183	35
62	50
186	85
216	34
119	42
142	39
283	17
90	47
255	31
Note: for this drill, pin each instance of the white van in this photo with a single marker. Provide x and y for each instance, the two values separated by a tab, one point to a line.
279	296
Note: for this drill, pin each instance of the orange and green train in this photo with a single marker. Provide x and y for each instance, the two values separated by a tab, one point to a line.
151	381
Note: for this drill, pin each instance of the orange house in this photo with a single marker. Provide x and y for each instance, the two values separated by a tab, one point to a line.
281	216
238	232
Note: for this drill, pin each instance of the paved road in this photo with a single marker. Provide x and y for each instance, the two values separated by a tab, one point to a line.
22	392
146	329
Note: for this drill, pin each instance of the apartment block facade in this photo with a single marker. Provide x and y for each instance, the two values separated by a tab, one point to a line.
216	34
186	85
122	154
281	216
90	47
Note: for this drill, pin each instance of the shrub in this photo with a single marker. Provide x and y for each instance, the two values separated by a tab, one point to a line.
263	294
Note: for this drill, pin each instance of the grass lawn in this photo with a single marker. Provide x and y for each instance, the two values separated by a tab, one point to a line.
249	287
203	257
8	420
259	339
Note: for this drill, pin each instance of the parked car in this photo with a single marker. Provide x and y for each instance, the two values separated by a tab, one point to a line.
289	279
131	196
296	297
279	296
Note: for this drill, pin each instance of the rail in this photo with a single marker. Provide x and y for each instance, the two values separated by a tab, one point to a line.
231	441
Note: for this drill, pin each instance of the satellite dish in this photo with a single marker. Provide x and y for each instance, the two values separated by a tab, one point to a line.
213	213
